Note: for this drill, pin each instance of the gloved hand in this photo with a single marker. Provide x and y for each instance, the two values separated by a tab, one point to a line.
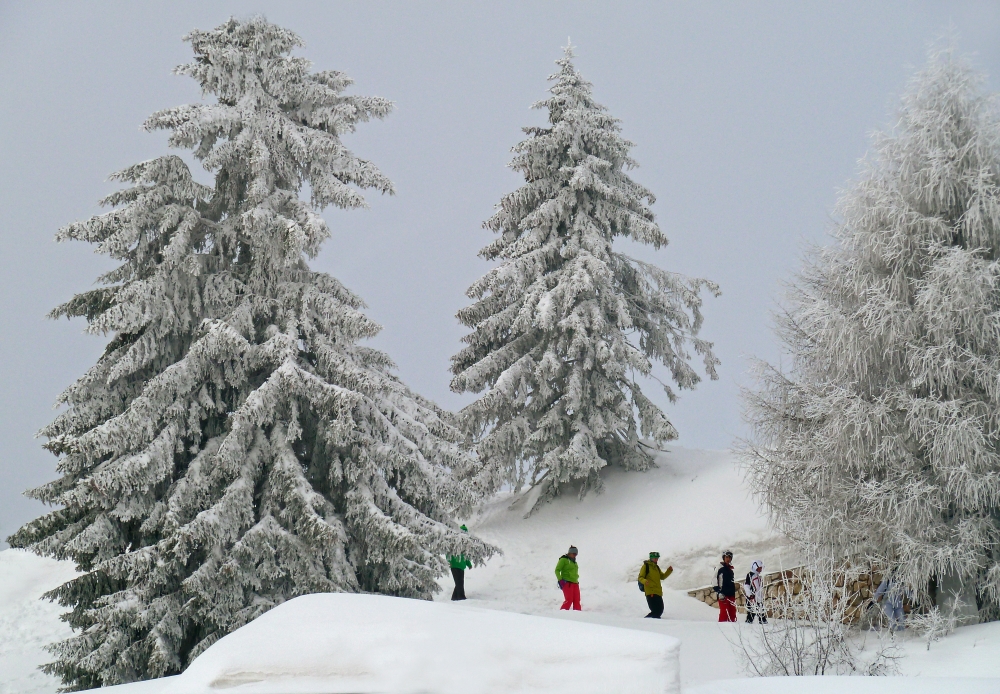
561	584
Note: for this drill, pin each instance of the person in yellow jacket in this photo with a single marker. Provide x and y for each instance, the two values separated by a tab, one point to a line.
650	576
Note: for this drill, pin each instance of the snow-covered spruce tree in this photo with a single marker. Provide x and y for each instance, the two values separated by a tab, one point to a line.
882	439
564	325
235	446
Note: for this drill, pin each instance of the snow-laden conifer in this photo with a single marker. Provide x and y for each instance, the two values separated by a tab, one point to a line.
882	438
565	327
235	445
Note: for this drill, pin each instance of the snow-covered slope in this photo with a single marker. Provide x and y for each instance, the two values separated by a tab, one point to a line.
693	506
689	509
28	624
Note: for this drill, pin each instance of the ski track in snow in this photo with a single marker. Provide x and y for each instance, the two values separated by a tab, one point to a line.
690	508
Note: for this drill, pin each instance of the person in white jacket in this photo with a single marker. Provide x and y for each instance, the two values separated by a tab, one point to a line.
753	589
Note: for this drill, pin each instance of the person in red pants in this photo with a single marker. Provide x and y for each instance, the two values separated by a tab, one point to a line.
568	574
725	588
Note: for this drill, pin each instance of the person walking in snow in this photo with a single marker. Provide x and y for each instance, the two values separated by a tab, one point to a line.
458	566
725	588
753	590
890	594
650	576
568	574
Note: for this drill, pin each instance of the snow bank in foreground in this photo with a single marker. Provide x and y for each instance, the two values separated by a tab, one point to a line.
368	643
27	623
851	685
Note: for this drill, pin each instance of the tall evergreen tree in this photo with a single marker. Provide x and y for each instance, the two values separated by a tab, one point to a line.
235	445
882	441
563	327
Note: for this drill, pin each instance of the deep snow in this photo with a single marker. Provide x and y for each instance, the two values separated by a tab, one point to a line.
321	644
28	624
689	509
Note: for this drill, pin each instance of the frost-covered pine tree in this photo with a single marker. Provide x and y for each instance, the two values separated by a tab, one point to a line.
235	446
564	328
882	439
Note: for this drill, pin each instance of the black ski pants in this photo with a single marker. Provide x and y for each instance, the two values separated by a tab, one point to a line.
655	603
755	610
459	576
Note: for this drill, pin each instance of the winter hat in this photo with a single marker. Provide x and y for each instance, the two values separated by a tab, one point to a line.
727	553
654	555
757	566
573	550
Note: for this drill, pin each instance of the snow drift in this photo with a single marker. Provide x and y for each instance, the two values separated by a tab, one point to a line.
28	623
333	643
853	685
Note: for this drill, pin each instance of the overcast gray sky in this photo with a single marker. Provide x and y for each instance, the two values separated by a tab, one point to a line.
747	118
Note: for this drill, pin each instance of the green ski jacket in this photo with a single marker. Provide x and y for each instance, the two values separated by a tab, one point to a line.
567	570
459	562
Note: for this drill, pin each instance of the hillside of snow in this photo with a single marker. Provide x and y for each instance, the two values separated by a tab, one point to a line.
690	508
27	623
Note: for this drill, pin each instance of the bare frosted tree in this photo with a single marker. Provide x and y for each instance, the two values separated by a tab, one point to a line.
816	627
882	439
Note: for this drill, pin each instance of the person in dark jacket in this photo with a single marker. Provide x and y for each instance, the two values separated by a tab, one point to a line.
650	576
458	566
725	588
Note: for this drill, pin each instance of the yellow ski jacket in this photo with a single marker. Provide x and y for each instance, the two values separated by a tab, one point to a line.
650	576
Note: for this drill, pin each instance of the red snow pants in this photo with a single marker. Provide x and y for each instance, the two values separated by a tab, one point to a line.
571	591
727	609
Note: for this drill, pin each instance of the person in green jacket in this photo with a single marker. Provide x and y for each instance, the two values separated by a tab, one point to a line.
650	576
568	574
458	566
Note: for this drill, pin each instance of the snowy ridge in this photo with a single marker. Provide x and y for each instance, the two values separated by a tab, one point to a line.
320	644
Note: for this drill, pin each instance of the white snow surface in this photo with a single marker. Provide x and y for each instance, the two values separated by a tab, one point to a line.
329	643
689	509
27	623
855	685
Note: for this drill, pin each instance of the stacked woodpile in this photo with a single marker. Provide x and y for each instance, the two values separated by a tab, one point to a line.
857	587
